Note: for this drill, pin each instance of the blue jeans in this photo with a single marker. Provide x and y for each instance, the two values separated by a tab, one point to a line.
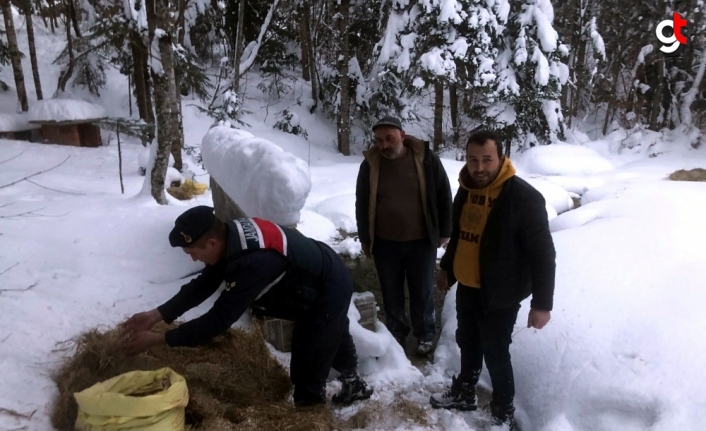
414	261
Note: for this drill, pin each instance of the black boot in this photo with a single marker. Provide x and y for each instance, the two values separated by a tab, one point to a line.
461	396
353	389
503	416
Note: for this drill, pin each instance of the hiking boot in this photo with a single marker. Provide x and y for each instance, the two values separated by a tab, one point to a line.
461	396
353	389
502	417
424	348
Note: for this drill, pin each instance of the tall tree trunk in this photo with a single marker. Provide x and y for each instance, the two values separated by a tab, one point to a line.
582	78
140	76
32	49
438	113
453	105
304	36
658	96
52	15
15	55
165	100
569	93
611	101
66	74
344	55
74	18
238	47
690	96
311	58
178	143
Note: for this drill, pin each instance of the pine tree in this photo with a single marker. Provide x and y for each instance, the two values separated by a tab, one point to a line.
530	72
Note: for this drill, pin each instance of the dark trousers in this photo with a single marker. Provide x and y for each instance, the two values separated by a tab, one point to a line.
415	261
486	336
321	339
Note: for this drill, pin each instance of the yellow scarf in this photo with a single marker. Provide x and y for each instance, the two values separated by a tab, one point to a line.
472	223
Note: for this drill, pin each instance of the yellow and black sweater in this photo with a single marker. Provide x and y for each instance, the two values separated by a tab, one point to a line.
472	223
515	256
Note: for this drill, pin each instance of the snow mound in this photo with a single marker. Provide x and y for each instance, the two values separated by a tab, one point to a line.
58	110
172	176
381	359
340	210
264	180
562	159
316	226
15	123
556	197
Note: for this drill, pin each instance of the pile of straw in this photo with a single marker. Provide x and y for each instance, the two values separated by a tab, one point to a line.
234	382
697	174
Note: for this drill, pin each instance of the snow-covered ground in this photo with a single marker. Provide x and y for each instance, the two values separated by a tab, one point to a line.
623	350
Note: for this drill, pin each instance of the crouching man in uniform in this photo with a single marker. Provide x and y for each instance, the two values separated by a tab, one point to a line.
279	272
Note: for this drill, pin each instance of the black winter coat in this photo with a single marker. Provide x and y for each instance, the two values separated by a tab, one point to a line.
517	255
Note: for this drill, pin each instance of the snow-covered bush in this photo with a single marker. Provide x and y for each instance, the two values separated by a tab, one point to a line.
288	121
264	180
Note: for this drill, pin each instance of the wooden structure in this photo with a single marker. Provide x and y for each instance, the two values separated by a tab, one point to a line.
15	126
278	332
78	133
68	121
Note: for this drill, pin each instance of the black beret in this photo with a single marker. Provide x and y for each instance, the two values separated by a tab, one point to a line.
191	225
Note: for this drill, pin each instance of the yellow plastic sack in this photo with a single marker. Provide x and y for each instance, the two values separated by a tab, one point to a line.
137	401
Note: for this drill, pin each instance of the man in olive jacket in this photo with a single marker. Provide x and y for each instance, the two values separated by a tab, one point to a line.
403	211
500	252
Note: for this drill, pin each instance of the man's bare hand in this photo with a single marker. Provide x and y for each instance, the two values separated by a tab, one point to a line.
443	242
141	322
141	341
366	248
538	318
442	280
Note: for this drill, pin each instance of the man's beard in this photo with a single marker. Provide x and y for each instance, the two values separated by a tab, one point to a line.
390	154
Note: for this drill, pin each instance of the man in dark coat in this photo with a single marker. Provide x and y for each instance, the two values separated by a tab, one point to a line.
500	252
280	272
403	212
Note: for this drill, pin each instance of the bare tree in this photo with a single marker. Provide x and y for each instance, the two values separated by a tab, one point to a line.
344	56
66	73
239	46
15	56
438	113
29	13
453	106
141	79
308	54
164	96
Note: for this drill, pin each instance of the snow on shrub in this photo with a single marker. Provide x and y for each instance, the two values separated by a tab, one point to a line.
289	122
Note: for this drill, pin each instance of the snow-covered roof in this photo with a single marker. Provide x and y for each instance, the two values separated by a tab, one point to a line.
64	110
15	123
